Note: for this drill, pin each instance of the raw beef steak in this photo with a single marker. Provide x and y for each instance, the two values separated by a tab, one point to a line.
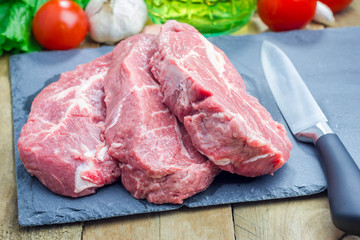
204	90
158	161
62	143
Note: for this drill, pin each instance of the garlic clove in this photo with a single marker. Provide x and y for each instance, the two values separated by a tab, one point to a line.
323	14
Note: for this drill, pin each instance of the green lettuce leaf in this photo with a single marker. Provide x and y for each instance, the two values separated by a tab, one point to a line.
82	3
4	17
18	35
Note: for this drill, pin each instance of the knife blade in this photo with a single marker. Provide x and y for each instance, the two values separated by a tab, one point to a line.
309	124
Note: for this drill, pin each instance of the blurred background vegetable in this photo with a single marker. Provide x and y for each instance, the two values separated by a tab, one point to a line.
284	15
337	5
60	25
323	14
110	21
15	24
113	20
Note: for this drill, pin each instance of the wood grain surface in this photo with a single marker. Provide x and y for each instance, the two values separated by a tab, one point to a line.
296	218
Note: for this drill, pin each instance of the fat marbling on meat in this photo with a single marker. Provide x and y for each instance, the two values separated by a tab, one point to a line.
204	90
62	143
158	160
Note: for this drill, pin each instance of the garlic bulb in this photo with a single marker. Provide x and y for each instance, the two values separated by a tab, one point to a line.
113	20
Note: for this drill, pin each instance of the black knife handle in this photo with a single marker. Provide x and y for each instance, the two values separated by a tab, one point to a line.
343	179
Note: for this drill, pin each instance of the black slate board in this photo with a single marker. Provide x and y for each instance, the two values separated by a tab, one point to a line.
329	62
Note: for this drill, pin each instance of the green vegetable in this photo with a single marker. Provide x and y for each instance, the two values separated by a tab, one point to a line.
82	3
15	24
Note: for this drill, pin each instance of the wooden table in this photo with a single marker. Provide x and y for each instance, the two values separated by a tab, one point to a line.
297	218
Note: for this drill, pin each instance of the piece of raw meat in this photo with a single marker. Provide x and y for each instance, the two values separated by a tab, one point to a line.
158	161
206	93
62	143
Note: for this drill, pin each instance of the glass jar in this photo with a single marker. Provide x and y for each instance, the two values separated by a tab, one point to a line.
210	17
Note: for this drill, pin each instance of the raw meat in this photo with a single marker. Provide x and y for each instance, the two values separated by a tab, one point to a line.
157	158
62	143
204	90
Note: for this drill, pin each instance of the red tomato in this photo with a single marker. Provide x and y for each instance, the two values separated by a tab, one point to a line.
60	25
337	5
283	15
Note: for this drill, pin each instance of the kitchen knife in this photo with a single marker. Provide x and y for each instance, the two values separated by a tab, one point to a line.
309	124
